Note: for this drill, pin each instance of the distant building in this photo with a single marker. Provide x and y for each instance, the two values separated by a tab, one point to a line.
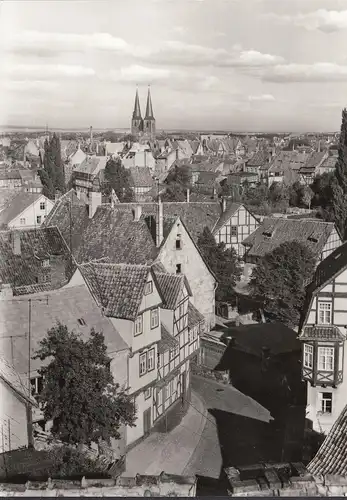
143	126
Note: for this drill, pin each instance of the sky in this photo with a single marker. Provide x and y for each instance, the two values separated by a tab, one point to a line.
238	65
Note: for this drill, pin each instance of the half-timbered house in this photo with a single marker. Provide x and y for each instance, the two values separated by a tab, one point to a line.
235	224
323	331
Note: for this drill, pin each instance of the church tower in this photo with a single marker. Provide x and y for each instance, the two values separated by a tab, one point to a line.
149	120
136	122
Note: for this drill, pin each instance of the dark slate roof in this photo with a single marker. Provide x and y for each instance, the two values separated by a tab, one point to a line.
313	161
328	269
331	457
258	159
66	304
118	288
194	316
70	215
12	378
36	245
171	286
225	216
17	205
313	233
318	332
276	337
140	177
114	233
167	340
195	215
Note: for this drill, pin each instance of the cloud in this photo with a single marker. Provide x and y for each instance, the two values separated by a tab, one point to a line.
261	98
140	74
317	72
328	21
46	71
172	52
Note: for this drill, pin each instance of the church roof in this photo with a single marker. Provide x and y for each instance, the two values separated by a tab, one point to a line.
149	108
137	109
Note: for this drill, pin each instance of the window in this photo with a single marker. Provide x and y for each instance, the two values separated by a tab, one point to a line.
36	385
81	321
150	359
173	387
178	244
148	393
22	222
149	288
233	230
324	313
326	402
138	325
38	219
143	363
42	205
154	318
326	358
174	352
45	263
159	397
178	268
308	356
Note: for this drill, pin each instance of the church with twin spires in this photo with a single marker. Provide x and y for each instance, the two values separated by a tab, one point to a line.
143	126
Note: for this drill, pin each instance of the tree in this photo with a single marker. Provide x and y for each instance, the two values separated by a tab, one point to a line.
280	279
48	188
53	180
66	462
118	178
279	195
322	190
177	181
223	263
339	187
79	394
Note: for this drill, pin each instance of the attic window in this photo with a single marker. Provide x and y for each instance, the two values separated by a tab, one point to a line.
268	234
81	321
178	244
313	238
45	263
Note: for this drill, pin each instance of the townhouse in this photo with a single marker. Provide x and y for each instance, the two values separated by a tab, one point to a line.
25	210
141	183
322	332
322	238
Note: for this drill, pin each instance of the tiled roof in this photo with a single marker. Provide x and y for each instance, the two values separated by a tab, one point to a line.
318	332
206	166
171	286
10	174
194	145
194	316
259	158
167	340
6	196
92	165
140	177
68	148
331	457
9	375
118	288
330	162
17	205
70	215
313	233
207	179
225	216
185	147
114	233
36	245
313	161
66	304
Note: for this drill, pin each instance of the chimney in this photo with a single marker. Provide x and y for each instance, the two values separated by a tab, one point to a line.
159	223
91	135
16	244
188	195
6	292
137	211
95	201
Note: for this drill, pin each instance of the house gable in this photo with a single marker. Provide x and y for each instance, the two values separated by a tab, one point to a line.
32	211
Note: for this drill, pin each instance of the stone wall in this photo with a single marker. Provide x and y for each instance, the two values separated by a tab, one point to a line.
139	486
283	480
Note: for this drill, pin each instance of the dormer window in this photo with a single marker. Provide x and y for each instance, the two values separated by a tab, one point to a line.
45	263
324	313
268	234
313	238
149	288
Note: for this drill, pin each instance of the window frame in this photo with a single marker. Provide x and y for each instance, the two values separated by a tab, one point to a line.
151	357
147	393
178	268
143	356
44	205
326	402
233	231
154	313
308	356
38	219
138	319
178	244
149	288
322	366
324	311
22	221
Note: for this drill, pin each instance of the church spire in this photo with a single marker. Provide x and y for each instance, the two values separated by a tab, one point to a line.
149	109
137	109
